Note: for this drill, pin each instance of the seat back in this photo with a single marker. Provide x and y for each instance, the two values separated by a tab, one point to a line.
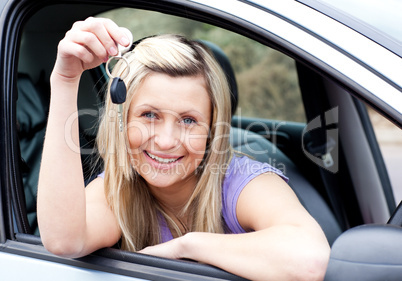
32	110
263	150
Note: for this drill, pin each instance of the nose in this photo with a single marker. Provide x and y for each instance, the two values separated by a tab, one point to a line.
167	136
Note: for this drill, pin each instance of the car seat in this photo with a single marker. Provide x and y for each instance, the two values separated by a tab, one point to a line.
32	110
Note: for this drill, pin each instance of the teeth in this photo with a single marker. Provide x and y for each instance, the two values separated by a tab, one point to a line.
162	160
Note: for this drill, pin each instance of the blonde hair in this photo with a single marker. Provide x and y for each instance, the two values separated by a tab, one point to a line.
137	211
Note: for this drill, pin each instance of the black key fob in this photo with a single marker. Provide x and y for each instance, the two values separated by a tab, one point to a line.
118	91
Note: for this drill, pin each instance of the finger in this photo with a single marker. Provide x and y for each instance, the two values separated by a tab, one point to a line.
88	40
108	33
69	49
118	34
95	27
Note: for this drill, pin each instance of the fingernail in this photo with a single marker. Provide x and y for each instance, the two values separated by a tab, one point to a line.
113	51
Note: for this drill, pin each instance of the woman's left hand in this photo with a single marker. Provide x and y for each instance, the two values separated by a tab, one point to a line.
286	244
171	249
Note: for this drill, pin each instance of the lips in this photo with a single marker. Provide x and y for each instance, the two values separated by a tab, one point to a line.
162	160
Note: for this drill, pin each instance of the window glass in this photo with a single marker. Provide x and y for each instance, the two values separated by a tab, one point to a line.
389	138
267	79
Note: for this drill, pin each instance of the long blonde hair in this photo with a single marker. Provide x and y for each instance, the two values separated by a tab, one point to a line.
137	211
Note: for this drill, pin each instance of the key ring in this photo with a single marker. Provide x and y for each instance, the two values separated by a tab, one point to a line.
121	51
117	57
118	90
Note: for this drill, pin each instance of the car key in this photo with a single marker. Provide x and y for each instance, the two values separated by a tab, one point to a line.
118	90
118	93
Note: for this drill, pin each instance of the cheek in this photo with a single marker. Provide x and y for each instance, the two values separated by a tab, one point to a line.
137	134
196	142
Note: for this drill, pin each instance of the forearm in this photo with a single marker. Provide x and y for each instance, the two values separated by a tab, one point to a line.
61	197
277	253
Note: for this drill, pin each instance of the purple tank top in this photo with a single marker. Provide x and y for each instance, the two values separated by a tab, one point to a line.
240	172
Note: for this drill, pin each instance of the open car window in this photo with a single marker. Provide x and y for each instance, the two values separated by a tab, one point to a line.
266	79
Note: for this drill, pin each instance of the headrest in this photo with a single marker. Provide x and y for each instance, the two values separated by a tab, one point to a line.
224	62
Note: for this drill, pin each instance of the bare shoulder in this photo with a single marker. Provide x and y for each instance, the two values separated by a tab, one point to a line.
95	191
268	200
95	198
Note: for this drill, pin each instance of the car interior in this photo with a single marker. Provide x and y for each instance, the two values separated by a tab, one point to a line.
319	154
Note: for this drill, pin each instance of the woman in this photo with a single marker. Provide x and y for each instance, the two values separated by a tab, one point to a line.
172	186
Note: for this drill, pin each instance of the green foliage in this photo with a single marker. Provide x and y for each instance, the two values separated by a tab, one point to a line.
267	79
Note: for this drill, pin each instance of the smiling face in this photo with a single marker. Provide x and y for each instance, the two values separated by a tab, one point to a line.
168	125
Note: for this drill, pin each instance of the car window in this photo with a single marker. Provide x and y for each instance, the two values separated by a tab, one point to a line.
266	79
389	138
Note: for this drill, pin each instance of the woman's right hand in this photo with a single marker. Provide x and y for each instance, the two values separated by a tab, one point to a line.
86	45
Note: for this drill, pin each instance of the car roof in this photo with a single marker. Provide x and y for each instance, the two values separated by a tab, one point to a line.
378	20
384	15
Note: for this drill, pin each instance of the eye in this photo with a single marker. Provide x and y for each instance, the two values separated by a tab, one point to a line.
149	115
189	120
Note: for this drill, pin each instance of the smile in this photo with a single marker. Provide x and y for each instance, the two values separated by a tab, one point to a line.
162	160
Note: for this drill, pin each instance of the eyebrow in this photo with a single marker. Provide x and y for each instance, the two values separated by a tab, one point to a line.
146	105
